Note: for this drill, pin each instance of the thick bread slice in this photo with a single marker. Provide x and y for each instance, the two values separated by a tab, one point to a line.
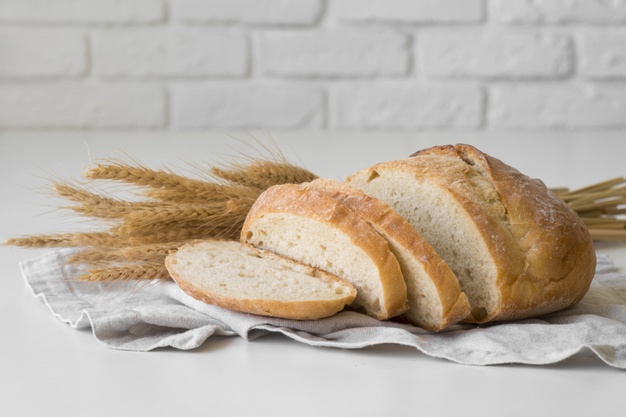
517	250
435	299
240	277
315	229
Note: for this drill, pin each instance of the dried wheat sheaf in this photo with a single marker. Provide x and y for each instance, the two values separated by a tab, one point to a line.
172	209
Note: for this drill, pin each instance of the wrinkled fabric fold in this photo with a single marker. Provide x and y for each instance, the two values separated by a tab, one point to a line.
145	316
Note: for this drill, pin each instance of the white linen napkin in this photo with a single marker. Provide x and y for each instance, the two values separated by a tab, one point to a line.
142	317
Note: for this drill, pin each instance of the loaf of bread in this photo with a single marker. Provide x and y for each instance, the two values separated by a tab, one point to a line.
435	298
516	249
240	277
449	234
313	228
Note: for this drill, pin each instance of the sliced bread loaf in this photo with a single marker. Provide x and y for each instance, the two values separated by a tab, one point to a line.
517	250
313	228
240	277
435	299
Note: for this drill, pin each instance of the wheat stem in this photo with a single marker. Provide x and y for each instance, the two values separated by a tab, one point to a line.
144	253
148	271
66	240
212	193
172	213
147	177
607	234
135	237
93	204
600	186
263	174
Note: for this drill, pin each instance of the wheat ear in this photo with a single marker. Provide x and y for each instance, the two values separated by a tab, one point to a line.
67	240
213	192
93	204
147	271
178	214
133	237
263	174
143	176
144	253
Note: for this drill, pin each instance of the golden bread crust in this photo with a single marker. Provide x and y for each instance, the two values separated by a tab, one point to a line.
552	262
294	200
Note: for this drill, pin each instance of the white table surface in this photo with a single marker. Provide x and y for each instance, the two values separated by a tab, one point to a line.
48	368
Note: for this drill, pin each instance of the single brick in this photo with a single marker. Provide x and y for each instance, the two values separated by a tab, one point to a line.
408	11
408	106
558	106
494	53
334	53
199	107
602	54
37	106
277	12
558	11
82	11
32	54
188	52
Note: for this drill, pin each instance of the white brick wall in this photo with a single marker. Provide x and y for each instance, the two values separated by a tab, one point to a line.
333	53
558	106
411	11
266	12
408	106
558	11
312	64
199	106
78	105
171	52
494	53
30	54
82	11
603	53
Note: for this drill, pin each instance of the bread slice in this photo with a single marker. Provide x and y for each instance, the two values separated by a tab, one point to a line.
517	250
315	229
240	277
435	299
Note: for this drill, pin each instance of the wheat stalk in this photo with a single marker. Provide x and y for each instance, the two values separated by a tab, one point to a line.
143	176
136	238
212	193
92	204
176	214
66	240
180	224
178	209
568	195
145	253
599	206
142	272
263	174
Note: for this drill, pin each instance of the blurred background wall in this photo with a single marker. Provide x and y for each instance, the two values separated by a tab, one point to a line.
174	65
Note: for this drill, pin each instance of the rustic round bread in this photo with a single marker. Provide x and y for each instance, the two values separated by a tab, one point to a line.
517	249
